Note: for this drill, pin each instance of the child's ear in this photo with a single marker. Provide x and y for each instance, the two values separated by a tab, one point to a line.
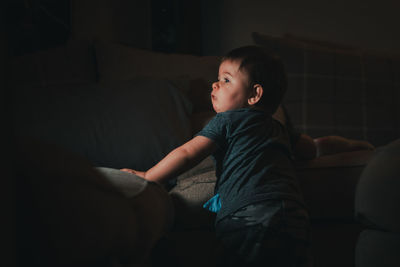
256	95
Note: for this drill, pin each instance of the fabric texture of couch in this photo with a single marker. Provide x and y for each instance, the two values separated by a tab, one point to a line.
118	106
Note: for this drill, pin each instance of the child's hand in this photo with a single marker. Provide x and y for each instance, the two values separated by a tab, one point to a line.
138	173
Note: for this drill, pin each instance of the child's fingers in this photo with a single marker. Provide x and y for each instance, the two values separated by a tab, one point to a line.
138	173
128	170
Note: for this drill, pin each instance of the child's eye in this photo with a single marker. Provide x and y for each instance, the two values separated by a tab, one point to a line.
225	80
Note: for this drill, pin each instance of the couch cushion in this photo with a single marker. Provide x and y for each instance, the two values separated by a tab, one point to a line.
71	63
377	201
129	124
339	90
192	190
189	195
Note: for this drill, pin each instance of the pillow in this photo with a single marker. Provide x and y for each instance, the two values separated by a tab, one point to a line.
131	124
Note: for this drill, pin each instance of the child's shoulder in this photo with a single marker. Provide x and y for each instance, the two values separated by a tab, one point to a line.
242	112
244	117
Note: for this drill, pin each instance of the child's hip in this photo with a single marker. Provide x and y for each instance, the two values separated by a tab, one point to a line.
276	232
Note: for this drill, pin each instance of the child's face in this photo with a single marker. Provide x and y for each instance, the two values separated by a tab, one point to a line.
231	91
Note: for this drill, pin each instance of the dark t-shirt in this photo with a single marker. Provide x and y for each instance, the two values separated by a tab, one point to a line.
253	159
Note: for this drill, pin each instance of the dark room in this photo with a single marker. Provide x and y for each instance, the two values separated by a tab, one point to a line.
191	133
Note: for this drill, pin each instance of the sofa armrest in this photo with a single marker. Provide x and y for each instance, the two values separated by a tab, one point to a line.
71	214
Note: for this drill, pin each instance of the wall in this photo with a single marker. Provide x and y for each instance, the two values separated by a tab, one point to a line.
366	23
162	25
226	24
8	189
122	21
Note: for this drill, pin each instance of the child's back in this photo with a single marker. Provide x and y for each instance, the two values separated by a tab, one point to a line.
253	158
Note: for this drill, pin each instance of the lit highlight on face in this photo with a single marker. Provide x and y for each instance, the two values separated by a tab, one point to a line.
231	91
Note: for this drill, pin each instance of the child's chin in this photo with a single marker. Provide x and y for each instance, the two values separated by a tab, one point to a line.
216	109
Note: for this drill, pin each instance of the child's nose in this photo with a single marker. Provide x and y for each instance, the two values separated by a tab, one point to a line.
215	85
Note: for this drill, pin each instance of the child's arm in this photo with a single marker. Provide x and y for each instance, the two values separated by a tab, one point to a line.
179	160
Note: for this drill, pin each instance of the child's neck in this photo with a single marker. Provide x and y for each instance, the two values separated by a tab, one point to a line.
260	109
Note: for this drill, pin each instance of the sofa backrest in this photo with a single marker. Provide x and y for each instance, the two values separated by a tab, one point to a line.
192	74
339	90
343	91
62	96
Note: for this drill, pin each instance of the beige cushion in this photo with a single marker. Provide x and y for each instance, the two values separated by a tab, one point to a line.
193	189
188	196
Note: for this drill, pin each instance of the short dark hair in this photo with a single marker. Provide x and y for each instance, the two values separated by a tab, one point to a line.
265	69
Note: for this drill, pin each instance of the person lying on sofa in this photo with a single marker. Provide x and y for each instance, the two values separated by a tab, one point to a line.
261	217
306	148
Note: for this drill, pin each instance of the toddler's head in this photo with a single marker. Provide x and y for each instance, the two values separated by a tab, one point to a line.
248	76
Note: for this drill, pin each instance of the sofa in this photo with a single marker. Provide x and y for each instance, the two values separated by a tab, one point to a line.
86	109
